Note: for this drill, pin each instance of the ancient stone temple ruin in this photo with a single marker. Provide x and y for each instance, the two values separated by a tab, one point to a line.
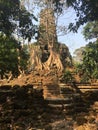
47	28
49	53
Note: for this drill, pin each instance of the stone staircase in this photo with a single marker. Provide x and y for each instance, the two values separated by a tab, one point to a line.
73	100
51	91
64	100
21	105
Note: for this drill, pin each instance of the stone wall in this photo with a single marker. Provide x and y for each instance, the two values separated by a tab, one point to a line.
47	27
20	107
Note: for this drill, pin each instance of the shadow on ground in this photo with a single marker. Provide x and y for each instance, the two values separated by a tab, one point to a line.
24	108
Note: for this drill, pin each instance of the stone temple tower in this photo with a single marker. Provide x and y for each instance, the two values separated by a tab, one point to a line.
47	31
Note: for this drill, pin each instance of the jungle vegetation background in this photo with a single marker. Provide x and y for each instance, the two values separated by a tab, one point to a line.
16	26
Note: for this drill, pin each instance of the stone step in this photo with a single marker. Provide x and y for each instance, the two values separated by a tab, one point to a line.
59	100
5	91
79	104
66	91
63	105
80	109
78	99
67	95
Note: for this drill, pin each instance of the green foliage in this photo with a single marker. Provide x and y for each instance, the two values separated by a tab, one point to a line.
89	68
91	30
26	28
15	18
8	55
12	55
78	67
95	73
86	10
24	57
82	72
85	78
68	77
8	10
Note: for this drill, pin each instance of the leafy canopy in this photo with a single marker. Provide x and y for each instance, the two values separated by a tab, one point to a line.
89	68
86	10
8	55
12	56
91	30
14	18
